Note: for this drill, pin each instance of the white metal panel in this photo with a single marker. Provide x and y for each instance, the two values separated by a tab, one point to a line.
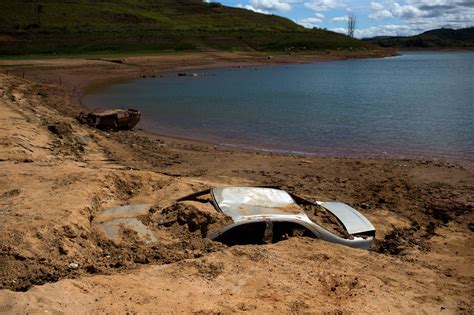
239	202
353	221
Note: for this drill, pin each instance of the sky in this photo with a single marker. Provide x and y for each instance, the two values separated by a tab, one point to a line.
374	18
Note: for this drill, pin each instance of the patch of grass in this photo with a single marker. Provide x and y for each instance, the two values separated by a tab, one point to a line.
77	27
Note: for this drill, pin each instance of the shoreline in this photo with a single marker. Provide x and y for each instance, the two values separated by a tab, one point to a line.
247	146
57	176
436	49
146	66
78	86
261	61
244	61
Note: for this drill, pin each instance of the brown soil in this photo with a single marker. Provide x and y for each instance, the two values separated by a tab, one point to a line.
57	175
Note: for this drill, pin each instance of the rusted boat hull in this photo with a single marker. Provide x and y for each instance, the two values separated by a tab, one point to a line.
116	119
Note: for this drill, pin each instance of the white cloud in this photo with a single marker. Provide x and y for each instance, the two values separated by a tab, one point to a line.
386	30
271	5
340	19
405	11
268	6
376	6
382	14
324	5
401	17
249	7
422	15
312	21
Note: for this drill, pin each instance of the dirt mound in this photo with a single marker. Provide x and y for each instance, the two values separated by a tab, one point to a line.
399	241
183	239
422	229
192	218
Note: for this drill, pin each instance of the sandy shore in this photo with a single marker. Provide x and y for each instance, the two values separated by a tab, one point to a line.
57	175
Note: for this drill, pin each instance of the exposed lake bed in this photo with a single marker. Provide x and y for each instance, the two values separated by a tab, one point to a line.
54	184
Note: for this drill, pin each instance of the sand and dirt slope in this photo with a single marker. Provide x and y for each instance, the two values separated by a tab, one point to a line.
57	175
298	275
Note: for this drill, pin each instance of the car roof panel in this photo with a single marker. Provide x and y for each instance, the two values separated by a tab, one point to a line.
242	202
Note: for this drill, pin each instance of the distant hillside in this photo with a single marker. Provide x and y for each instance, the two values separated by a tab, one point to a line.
151	25
439	38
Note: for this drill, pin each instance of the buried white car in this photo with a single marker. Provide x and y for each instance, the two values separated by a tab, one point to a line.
267	215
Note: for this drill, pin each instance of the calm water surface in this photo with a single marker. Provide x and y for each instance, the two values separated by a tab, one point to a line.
419	104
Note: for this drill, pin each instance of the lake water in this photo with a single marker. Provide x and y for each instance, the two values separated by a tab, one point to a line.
419	104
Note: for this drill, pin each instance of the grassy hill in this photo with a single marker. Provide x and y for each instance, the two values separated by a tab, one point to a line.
439	38
82	26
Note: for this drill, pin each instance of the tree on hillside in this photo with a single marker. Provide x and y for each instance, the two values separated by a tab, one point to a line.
351	24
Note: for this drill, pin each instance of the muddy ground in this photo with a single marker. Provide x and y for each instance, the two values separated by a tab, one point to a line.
56	176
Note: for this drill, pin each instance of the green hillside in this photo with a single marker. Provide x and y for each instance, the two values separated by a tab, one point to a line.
439	38
82	26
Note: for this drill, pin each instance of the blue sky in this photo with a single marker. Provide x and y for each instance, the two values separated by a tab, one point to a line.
375	18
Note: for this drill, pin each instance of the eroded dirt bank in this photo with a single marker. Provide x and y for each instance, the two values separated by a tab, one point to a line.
57	175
